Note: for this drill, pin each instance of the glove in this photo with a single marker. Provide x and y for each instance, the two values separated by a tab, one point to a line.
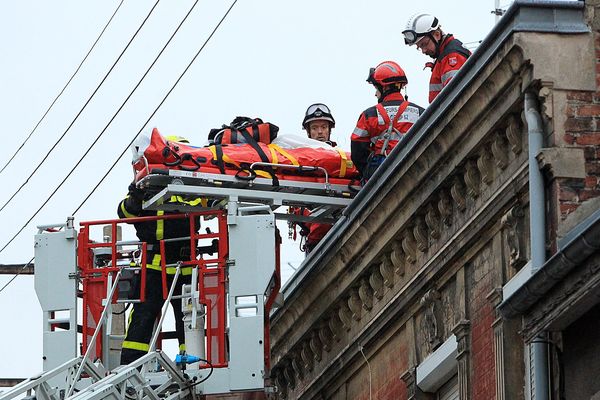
135	192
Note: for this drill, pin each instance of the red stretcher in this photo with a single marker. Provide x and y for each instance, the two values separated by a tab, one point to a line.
247	162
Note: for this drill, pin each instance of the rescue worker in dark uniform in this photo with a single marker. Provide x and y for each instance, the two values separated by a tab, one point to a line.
380	128
448	53
142	318
318	123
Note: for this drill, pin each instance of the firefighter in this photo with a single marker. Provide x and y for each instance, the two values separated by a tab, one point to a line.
318	123
448	53
381	127
142	318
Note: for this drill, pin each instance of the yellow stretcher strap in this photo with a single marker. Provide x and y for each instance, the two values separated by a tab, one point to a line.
229	160
343	162
285	154
274	158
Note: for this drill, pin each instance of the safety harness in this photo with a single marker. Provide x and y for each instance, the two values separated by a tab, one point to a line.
391	130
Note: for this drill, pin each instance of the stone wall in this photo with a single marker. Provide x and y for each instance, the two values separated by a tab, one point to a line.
425	259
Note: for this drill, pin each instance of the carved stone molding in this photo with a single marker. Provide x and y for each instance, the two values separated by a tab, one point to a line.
432	219
431	322
409	246
345	314
513	224
365	293
325	336
486	166
335	326
288	373
462	331
386	267
306	355
282	385
297	366
458	193
410	380
315	346
500	150
355	304
376	283
420	232
445	207
513	134
398	259
472	179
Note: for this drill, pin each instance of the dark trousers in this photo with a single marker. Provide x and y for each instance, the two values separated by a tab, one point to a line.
143	316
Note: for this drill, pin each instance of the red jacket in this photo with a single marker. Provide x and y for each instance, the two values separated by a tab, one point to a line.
313	231
452	57
372	125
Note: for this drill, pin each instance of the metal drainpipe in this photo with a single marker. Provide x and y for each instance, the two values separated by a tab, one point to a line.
537	232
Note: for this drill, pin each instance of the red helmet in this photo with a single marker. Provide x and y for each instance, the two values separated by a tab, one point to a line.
386	73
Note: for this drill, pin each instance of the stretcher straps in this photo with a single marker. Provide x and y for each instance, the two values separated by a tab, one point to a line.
343	163
250	140
284	153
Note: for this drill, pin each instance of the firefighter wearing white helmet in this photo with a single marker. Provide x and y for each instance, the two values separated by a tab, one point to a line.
449	54
318	123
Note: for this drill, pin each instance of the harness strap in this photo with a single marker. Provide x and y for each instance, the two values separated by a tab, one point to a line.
391	123
284	153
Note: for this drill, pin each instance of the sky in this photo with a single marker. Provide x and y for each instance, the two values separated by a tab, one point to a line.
269	59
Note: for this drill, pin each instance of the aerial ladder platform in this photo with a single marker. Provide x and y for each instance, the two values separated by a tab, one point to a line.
83	283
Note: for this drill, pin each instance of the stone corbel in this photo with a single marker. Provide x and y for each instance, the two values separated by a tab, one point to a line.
444	206
306	355
282	385
386	267
512	222
500	150
316	346
376	283
513	134
296	362
472	179
288	373
486	166
325	336
562	162
432	323
345	315
355	304
458	193
420	232
409	246
432	219
410	380
398	259
335	323
365	293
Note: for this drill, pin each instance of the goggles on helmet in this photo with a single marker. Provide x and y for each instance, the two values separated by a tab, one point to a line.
411	37
318	110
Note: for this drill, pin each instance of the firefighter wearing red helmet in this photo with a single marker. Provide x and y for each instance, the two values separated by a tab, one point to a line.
381	127
448	53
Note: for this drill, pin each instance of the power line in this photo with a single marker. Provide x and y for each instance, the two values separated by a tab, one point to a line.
156	109
63	89
103	130
80	111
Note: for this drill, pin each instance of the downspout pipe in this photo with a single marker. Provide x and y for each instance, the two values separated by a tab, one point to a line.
537	233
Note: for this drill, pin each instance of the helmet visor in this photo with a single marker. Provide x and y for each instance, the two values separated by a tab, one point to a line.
315	108
411	37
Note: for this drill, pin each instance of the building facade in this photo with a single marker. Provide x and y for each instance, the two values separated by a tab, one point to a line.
427	288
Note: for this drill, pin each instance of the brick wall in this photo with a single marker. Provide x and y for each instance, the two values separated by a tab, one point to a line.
582	129
482	316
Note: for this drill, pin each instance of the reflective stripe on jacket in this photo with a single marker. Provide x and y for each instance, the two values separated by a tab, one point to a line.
452	57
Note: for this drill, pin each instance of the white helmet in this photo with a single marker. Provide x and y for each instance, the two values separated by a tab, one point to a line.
418	26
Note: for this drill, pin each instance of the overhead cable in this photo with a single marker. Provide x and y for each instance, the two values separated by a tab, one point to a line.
62	90
103	130
156	109
80	111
